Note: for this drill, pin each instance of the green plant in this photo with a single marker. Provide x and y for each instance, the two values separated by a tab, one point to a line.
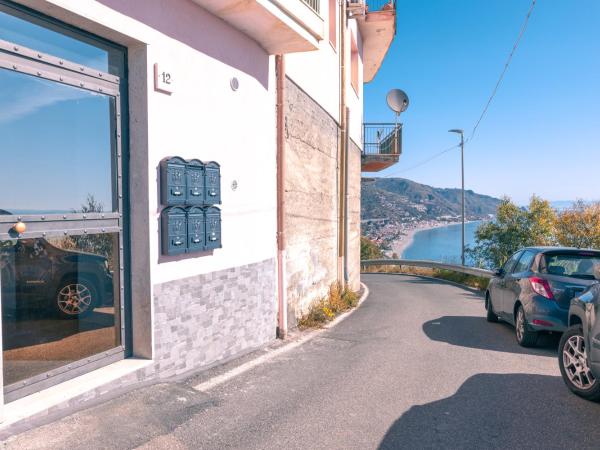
338	300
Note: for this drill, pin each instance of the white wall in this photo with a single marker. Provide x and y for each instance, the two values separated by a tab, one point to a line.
318	74
203	118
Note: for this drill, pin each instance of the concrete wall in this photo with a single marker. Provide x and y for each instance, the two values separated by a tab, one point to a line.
311	140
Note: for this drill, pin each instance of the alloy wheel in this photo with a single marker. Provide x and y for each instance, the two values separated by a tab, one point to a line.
520	325
74	299
575	363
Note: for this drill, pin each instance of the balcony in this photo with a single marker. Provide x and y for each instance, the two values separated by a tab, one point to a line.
377	27
382	146
279	26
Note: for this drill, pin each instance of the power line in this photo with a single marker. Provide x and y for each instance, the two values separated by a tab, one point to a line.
422	163
489	102
506	65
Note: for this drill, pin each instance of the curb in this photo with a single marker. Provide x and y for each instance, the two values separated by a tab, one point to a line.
247	366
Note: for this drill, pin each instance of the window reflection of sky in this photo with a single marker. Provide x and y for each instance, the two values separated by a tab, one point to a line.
19	31
56	146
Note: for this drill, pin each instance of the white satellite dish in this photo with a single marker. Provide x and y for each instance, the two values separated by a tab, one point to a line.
397	100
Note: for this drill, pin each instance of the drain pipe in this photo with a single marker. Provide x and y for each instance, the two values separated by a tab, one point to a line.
343	141
347	197
281	288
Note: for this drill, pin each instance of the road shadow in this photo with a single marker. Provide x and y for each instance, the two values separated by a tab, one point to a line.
476	332
500	411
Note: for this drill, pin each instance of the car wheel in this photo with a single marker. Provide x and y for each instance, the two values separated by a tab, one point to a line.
75	298
573	363
491	315
525	337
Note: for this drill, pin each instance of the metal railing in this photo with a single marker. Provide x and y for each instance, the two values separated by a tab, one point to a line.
382	139
380	5
428	264
315	5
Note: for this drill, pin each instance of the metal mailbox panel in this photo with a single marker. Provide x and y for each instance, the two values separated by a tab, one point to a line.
195	182
174	231
195	229
213	227
212	183
173	181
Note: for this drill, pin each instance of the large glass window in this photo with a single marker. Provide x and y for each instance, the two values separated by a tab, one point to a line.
58	147
62	221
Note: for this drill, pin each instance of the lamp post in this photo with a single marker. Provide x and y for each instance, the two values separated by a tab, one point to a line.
462	171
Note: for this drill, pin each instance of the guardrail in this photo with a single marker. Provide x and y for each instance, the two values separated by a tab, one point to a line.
428	264
315	5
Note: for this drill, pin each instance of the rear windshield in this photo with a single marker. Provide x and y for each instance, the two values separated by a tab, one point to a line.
579	265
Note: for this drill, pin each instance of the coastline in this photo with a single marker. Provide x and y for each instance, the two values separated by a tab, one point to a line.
399	246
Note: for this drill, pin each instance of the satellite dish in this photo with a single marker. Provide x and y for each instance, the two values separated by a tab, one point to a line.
397	100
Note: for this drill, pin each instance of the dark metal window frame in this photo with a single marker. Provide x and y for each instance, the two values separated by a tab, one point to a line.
19	59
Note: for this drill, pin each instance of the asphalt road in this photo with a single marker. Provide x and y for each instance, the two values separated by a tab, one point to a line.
416	366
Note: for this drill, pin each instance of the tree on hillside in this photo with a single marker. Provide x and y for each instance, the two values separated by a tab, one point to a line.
579	226
369	249
513	228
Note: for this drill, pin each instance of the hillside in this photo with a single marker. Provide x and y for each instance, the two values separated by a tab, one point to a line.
402	200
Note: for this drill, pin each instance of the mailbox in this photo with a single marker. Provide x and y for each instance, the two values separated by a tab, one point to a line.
195	182
212	183
173	181
174	231
212	216
196	236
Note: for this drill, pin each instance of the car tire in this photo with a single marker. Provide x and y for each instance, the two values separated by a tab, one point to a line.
75	298
491	316
574	366
525	337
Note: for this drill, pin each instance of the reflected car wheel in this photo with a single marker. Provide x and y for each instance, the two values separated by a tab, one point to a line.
573	363
75	298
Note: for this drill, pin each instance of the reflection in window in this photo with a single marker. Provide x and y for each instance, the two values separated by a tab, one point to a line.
60	302
28	30
58	147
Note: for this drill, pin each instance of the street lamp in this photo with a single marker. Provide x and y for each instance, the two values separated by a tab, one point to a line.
462	170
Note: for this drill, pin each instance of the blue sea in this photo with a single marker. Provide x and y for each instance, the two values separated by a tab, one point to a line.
441	244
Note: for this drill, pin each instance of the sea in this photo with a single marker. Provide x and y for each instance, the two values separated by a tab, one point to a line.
441	244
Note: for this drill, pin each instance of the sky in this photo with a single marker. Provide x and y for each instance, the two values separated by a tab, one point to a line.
541	134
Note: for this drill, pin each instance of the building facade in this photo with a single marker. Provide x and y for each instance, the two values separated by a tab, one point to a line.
182	180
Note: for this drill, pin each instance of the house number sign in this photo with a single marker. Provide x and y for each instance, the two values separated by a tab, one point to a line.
163	79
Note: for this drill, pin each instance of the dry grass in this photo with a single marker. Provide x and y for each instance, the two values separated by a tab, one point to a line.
338	300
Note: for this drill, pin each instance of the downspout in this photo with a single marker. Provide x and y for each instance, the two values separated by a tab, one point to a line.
343	142
347	198
281	290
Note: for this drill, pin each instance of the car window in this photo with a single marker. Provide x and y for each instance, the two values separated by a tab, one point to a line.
508	265
579	265
524	262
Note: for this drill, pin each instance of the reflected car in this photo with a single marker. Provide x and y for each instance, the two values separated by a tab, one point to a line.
36	274
579	348
534	288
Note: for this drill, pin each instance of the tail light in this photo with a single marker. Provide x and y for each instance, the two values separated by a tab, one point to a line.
541	286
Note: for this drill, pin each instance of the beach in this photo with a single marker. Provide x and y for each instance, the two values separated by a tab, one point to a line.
400	245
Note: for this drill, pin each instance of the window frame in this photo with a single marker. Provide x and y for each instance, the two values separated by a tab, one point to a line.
18	59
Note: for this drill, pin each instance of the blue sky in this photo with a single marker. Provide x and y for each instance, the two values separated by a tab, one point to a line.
542	133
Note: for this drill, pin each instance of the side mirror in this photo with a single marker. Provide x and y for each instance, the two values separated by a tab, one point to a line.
499	272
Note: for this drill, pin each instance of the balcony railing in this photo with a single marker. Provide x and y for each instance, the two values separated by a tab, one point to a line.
315	5
382	139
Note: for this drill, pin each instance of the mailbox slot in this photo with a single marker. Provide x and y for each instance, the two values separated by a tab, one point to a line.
173	181
212	216
195	182
212	183
196	229
174	231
